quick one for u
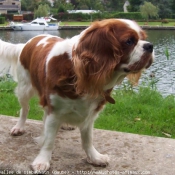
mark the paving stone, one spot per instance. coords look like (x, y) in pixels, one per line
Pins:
(129, 153)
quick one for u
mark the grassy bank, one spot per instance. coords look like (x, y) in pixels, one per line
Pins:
(143, 112)
(75, 23)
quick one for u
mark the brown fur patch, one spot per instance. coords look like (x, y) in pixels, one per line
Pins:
(33, 58)
(99, 53)
(61, 77)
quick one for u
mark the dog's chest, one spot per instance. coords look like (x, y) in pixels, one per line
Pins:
(75, 111)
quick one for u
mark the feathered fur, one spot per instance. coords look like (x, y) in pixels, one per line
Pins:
(74, 78)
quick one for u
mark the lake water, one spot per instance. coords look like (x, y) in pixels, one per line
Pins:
(163, 69)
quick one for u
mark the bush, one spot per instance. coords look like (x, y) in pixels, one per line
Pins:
(8, 16)
(165, 21)
(2, 20)
(129, 15)
(64, 16)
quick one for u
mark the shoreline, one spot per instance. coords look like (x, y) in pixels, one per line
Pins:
(143, 27)
(84, 27)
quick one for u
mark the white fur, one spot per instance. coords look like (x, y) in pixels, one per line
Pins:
(9, 54)
(79, 112)
(131, 24)
(59, 49)
(44, 41)
(137, 52)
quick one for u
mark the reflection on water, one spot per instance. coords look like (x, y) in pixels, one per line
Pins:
(24, 36)
(162, 69)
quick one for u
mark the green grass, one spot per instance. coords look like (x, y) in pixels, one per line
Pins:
(87, 23)
(9, 104)
(144, 112)
(75, 23)
(169, 24)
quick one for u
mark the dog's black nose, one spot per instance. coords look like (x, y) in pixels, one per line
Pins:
(148, 47)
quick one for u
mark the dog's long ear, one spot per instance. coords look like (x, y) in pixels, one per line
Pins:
(134, 78)
(96, 56)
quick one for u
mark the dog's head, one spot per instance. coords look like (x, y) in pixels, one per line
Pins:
(107, 52)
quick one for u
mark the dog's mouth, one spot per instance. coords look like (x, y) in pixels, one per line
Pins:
(143, 63)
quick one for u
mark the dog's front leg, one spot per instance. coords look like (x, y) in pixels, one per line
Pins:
(93, 156)
(42, 162)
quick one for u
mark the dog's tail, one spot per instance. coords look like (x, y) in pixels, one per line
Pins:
(9, 54)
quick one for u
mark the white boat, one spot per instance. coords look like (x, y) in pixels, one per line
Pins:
(37, 24)
(48, 19)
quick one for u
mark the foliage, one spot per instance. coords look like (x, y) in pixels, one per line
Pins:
(78, 16)
(62, 6)
(8, 16)
(129, 15)
(134, 5)
(148, 10)
(173, 6)
(90, 4)
(114, 5)
(2, 20)
(43, 10)
(75, 3)
(97, 16)
(44, 2)
(166, 7)
(29, 5)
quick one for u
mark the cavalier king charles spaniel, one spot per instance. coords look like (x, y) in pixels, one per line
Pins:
(74, 78)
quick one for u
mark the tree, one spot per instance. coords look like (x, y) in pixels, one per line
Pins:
(62, 6)
(164, 6)
(173, 6)
(42, 11)
(135, 5)
(75, 3)
(148, 10)
(25, 4)
(114, 5)
(90, 4)
(44, 2)
(31, 5)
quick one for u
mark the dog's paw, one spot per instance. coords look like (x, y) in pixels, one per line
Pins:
(66, 126)
(40, 166)
(99, 160)
(17, 131)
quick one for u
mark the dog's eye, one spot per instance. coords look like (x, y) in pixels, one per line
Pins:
(130, 41)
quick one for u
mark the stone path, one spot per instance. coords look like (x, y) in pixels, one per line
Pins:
(129, 153)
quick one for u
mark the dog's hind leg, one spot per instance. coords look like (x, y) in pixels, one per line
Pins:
(23, 98)
(24, 92)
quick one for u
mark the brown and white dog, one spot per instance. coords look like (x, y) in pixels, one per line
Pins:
(74, 78)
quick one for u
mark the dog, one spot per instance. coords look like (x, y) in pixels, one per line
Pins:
(74, 78)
